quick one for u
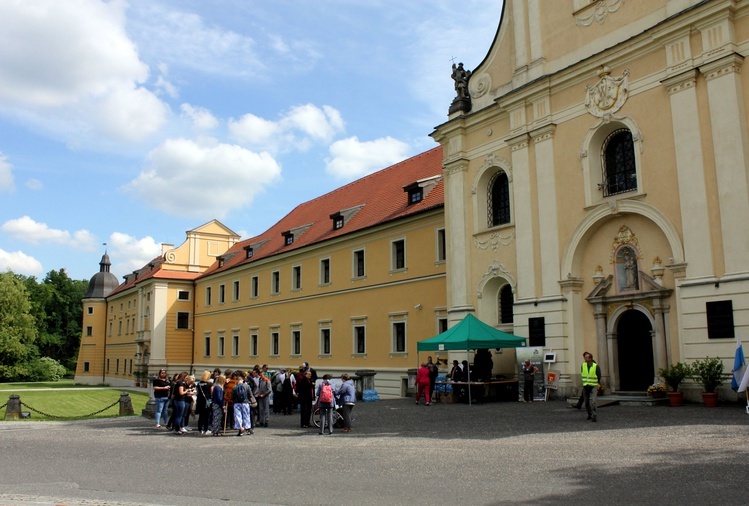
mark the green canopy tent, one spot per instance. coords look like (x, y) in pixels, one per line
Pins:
(470, 334)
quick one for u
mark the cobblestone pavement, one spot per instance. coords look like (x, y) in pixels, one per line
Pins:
(398, 453)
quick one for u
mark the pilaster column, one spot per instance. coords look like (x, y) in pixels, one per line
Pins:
(522, 213)
(547, 209)
(661, 355)
(605, 344)
(695, 215)
(158, 323)
(728, 122)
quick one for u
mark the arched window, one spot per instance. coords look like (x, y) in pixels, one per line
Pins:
(505, 303)
(618, 163)
(498, 200)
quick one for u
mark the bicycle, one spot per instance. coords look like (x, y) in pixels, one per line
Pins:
(337, 417)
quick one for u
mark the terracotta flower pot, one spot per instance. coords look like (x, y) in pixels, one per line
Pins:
(710, 399)
(675, 399)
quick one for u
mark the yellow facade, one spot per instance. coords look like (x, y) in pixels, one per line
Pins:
(382, 299)
(558, 84)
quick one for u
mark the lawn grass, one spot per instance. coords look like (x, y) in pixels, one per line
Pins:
(68, 404)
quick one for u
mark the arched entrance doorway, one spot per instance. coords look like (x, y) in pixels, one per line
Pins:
(635, 351)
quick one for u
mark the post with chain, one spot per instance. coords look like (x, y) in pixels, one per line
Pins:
(13, 409)
(126, 404)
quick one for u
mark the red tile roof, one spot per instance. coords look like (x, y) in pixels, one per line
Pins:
(379, 196)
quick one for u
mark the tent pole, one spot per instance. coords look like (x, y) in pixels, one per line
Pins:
(468, 375)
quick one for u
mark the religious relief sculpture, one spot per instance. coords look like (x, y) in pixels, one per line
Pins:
(608, 95)
(627, 270)
(462, 101)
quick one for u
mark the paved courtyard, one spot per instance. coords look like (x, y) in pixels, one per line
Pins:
(398, 453)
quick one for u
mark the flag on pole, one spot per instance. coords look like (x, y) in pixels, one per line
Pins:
(739, 368)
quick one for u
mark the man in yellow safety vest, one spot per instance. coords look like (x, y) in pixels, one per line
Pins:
(591, 376)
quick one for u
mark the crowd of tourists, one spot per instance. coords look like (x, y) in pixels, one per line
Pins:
(241, 399)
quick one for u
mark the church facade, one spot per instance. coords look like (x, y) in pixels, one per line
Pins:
(597, 177)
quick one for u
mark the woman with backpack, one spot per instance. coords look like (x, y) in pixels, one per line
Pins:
(326, 401)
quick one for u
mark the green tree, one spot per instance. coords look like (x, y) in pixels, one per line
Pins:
(56, 302)
(18, 332)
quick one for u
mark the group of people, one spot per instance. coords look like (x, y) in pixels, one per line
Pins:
(426, 377)
(242, 399)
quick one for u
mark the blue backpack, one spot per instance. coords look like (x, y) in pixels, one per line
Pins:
(239, 394)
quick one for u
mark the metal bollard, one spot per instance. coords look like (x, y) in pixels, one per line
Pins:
(13, 409)
(126, 404)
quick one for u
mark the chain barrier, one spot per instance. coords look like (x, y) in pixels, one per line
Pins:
(66, 417)
(3, 406)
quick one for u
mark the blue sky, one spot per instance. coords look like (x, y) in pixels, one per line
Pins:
(128, 123)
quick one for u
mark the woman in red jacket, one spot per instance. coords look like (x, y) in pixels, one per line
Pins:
(422, 384)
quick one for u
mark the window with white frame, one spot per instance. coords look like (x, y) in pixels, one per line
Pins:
(296, 277)
(399, 336)
(358, 264)
(325, 271)
(255, 290)
(274, 343)
(275, 283)
(325, 341)
(398, 254)
(183, 320)
(183, 295)
(441, 245)
(253, 344)
(498, 200)
(296, 342)
(360, 339)
(90, 310)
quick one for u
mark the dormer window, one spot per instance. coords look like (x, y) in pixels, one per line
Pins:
(220, 261)
(338, 221)
(415, 193)
(248, 252)
(288, 238)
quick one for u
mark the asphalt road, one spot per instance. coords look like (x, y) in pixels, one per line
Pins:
(398, 453)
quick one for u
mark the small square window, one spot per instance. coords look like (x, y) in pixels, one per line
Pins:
(89, 331)
(248, 252)
(183, 295)
(90, 310)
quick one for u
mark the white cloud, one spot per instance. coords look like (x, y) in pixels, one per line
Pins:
(204, 180)
(20, 263)
(34, 184)
(352, 159)
(129, 253)
(297, 129)
(6, 175)
(70, 69)
(200, 117)
(35, 232)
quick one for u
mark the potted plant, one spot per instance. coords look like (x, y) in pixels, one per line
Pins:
(709, 372)
(673, 375)
(657, 391)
